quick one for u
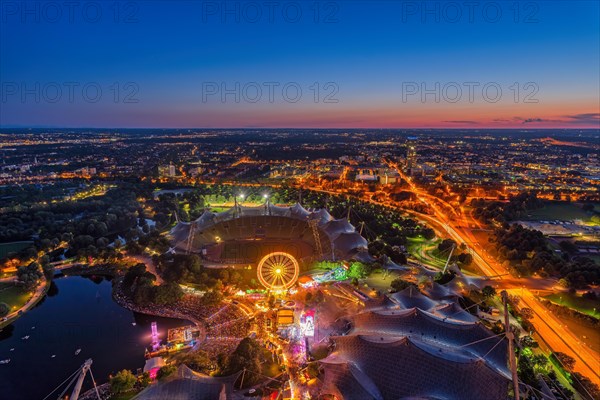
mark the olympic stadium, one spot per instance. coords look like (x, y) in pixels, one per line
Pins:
(409, 346)
(279, 241)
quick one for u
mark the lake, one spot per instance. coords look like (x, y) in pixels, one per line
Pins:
(78, 312)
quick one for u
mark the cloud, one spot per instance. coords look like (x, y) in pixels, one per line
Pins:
(579, 119)
(535, 120)
(463, 122)
(585, 118)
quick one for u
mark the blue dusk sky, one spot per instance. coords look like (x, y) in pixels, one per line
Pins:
(458, 64)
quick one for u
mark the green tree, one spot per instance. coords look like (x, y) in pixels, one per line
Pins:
(465, 259)
(528, 341)
(565, 360)
(245, 356)
(144, 379)
(400, 284)
(428, 233)
(212, 298)
(525, 371)
(357, 270)
(488, 291)
(446, 245)
(122, 382)
(196, 360)
(48, 270)
(168, 293)
(165, 371)
(526, 313)
(29, 275)
(4, 310)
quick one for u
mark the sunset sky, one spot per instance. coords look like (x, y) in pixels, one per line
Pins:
(386, 64)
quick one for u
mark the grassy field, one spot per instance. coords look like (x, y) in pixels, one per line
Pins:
(220, 207)
(217, 209)
(562, 212)
(426, 252)
(13, 295)
(584, 306)
(7, 248)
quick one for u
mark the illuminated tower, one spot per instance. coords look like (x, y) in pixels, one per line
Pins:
(411, 155)
(155, 339)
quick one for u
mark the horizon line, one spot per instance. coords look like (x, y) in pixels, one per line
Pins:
(304, 128)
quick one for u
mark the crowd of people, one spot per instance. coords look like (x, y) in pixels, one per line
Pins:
(222, 326)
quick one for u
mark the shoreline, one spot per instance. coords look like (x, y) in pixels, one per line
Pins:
(123, 300)
(31, 303)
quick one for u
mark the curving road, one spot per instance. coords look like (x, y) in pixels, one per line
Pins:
(559, 338)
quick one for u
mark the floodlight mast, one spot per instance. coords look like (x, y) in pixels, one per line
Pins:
(448, 260)
(511, 352)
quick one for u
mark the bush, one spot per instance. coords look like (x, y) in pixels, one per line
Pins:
(400, 284)
(488, 291)
(122, 382)
(442, 279)
(565, 360)
(165, 371)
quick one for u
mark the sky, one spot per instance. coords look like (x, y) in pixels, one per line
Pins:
(277, 63)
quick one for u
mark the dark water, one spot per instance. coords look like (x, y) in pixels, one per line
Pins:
(77, 313)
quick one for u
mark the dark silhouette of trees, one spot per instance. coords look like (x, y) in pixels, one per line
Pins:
(29, 275)
(526, 251)
(488, 291)
(399, 284)
(247, 355)
(501, 212)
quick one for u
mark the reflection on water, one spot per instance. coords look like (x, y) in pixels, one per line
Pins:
(77, 313)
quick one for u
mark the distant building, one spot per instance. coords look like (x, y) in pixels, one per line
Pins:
(411, 155)
(366, 178)
(166, 171)
(389, 177)
(86, 171)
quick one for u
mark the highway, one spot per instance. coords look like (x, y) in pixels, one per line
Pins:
(548, 327)
(559, 338)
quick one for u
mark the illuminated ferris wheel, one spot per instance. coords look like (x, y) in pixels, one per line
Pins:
(278, 271)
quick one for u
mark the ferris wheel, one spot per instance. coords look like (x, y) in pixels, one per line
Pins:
(278, 271)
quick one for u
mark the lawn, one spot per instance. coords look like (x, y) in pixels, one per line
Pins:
(218, 209)
(584, 306)
(13, 295)
(426, 251)
(12, 247)
(558, 211)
